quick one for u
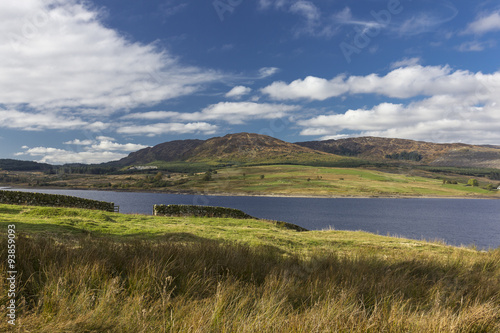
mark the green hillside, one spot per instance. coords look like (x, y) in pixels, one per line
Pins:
(91, 271)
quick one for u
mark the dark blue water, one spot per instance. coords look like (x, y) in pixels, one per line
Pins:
(456, 221)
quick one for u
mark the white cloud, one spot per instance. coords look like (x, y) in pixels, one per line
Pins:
(484, 23)
(57, 55)
(345, 17)
(437, 119)
(105, 138)
(152, 115)
(476, 46)
(79, 142)
(268, 71)
(405, 82)
(311, 88)
(171, 7)
(427, 20)
(107, 145)
(312, 20)
(230, 112)
(61, 156)
(308, 10)
(277, 4)
(37, 121)
(102, 149)
(239, 112)
(169, 128)
(436, 104)
(238, 92)
(406, 62)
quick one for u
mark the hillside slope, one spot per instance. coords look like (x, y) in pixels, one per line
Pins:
(449, 154)
(240, 148)
(178, 150)
(255, 148)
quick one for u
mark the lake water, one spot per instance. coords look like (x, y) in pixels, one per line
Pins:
(456, 221)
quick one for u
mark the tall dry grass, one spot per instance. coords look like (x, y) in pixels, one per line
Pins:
(96, 285)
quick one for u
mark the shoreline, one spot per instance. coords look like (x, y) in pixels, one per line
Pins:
(239, 194)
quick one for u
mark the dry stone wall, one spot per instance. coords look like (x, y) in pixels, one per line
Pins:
(53, 200)
(199, 211)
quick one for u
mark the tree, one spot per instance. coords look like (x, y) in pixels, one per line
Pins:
(262, 176)
(473, 182)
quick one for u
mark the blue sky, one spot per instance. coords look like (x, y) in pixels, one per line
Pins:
(91, 81)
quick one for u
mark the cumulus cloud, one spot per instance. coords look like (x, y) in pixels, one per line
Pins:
(79, 142)
(62, 156)
(404, 82)
(238, 92)
(437, 103)
(58, 56)
(311, 87)
(484, 23)
(99, 150)
(439, 118)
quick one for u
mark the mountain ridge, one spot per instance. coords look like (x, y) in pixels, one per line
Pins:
(250, 147)
(238, 148)
(434, 154)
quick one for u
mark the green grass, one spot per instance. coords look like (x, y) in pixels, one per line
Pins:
(326, 181)
(91, 271)
(295, 180)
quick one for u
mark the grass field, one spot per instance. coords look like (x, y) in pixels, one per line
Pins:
(324, 181)
(92, 271)
(285, 180)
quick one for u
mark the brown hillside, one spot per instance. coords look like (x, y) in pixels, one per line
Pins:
(250, 147)
(449, 154)
(178, 150)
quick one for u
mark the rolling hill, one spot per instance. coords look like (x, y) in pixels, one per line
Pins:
(434, 154)
(171, 151)
(255, 149)
(18, 165)
(240, 148)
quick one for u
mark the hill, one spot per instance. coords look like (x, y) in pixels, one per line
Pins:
(178, 150)
(18, 165)
(240, 148)
(436, 154)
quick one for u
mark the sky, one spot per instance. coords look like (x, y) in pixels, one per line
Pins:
(91, 81)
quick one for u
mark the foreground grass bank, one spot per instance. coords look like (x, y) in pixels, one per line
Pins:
(91, 271)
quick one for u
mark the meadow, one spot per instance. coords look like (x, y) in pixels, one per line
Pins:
(334, 182)
(92, 271)
(280, 180)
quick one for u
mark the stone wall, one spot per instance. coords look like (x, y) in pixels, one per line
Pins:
(199, 211)
(208, 211)
(53, 200)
